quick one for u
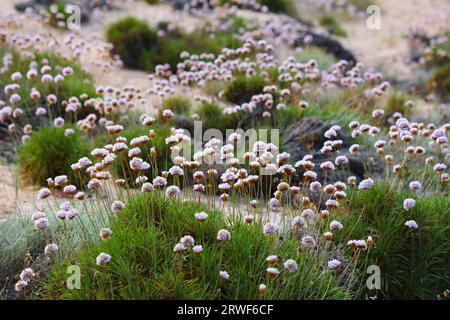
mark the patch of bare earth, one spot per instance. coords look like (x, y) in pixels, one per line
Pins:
(388, 49)
(15, 198)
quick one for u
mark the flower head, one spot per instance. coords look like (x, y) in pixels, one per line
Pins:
(334, 264)
(38, 215)
(290, 265)
(365, 184)
(298, 222)
(308, 242)
(172, 191)
(272, 272)
(415, 185)
(102, 259)
(223, 235)
(272, 259)
(105, 233)
(409, 203)
(224, 275)
(58, 122)
(117, 206)
(439, 167)
(178, 248)
(270, 228)
(50, 248)
(336, 225)
(262, 288)
(411, 224)
(274, 205)
(41, 223)
(147, 187)
(159, 182)
(44, 193)
(27, 274)
(20, 285)
(187, 241)
(197, 249)
(201, 216)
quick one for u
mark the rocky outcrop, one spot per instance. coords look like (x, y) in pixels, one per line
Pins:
(34, 4)
(306, 136)
(305, 31)
(7, 149)
(328, 44)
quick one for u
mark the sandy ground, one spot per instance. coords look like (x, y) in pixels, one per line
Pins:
(388, 48)
(12, 199)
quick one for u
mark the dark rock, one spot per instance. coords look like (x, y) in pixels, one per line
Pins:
(306, 136)
(178, 4)
(184, 123)
(182, 4)
(329, 45)
(325, 42)
(99, 4)
(35, 4)
(87, 6)
(7, 150)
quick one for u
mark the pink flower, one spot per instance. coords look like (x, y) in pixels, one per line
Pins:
(224, 275)
(201, 216)
(44, 193)
(409, 203)
(102, 259)
(411, 224)
(333, 264)
(366, 184)
(41, 223)
(223, 235)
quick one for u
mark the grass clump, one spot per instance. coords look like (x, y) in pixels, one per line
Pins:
(243, 88)
(323, 58)
(18, 239)
(440, 81)
(215, 87)
(362, 5)
(80, 82)
(413, 263)
(329, 22)
(139, 46)
(133, 41)
(22, 246)
(211, 113)
(146, 267)
(180, 105)
(333, 112)
(396, 102)
(284, 6)
(50, 153)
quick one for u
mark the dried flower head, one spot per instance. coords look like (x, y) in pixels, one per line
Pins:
(105, 233)
(290, 265)
(223, 235)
